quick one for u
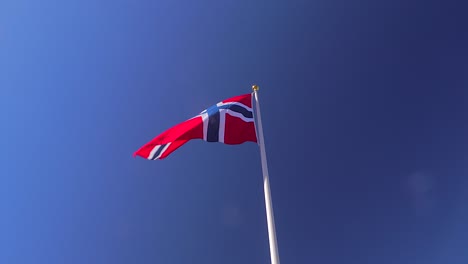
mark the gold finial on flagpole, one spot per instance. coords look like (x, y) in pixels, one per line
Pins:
(255, 87)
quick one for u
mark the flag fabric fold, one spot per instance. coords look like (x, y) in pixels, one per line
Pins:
(230, 122)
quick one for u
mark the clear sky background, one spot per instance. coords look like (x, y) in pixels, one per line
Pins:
(364, 107)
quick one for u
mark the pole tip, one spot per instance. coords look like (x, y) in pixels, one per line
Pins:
(255, 87)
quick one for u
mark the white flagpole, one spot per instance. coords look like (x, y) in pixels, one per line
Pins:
(266, 184)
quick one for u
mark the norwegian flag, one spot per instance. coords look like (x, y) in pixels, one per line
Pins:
(230, 122)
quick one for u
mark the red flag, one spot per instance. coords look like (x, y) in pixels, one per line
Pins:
(230, 121)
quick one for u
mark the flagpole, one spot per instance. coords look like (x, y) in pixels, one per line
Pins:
(266, 184)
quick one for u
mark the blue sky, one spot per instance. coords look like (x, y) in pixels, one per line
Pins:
(364, 110)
